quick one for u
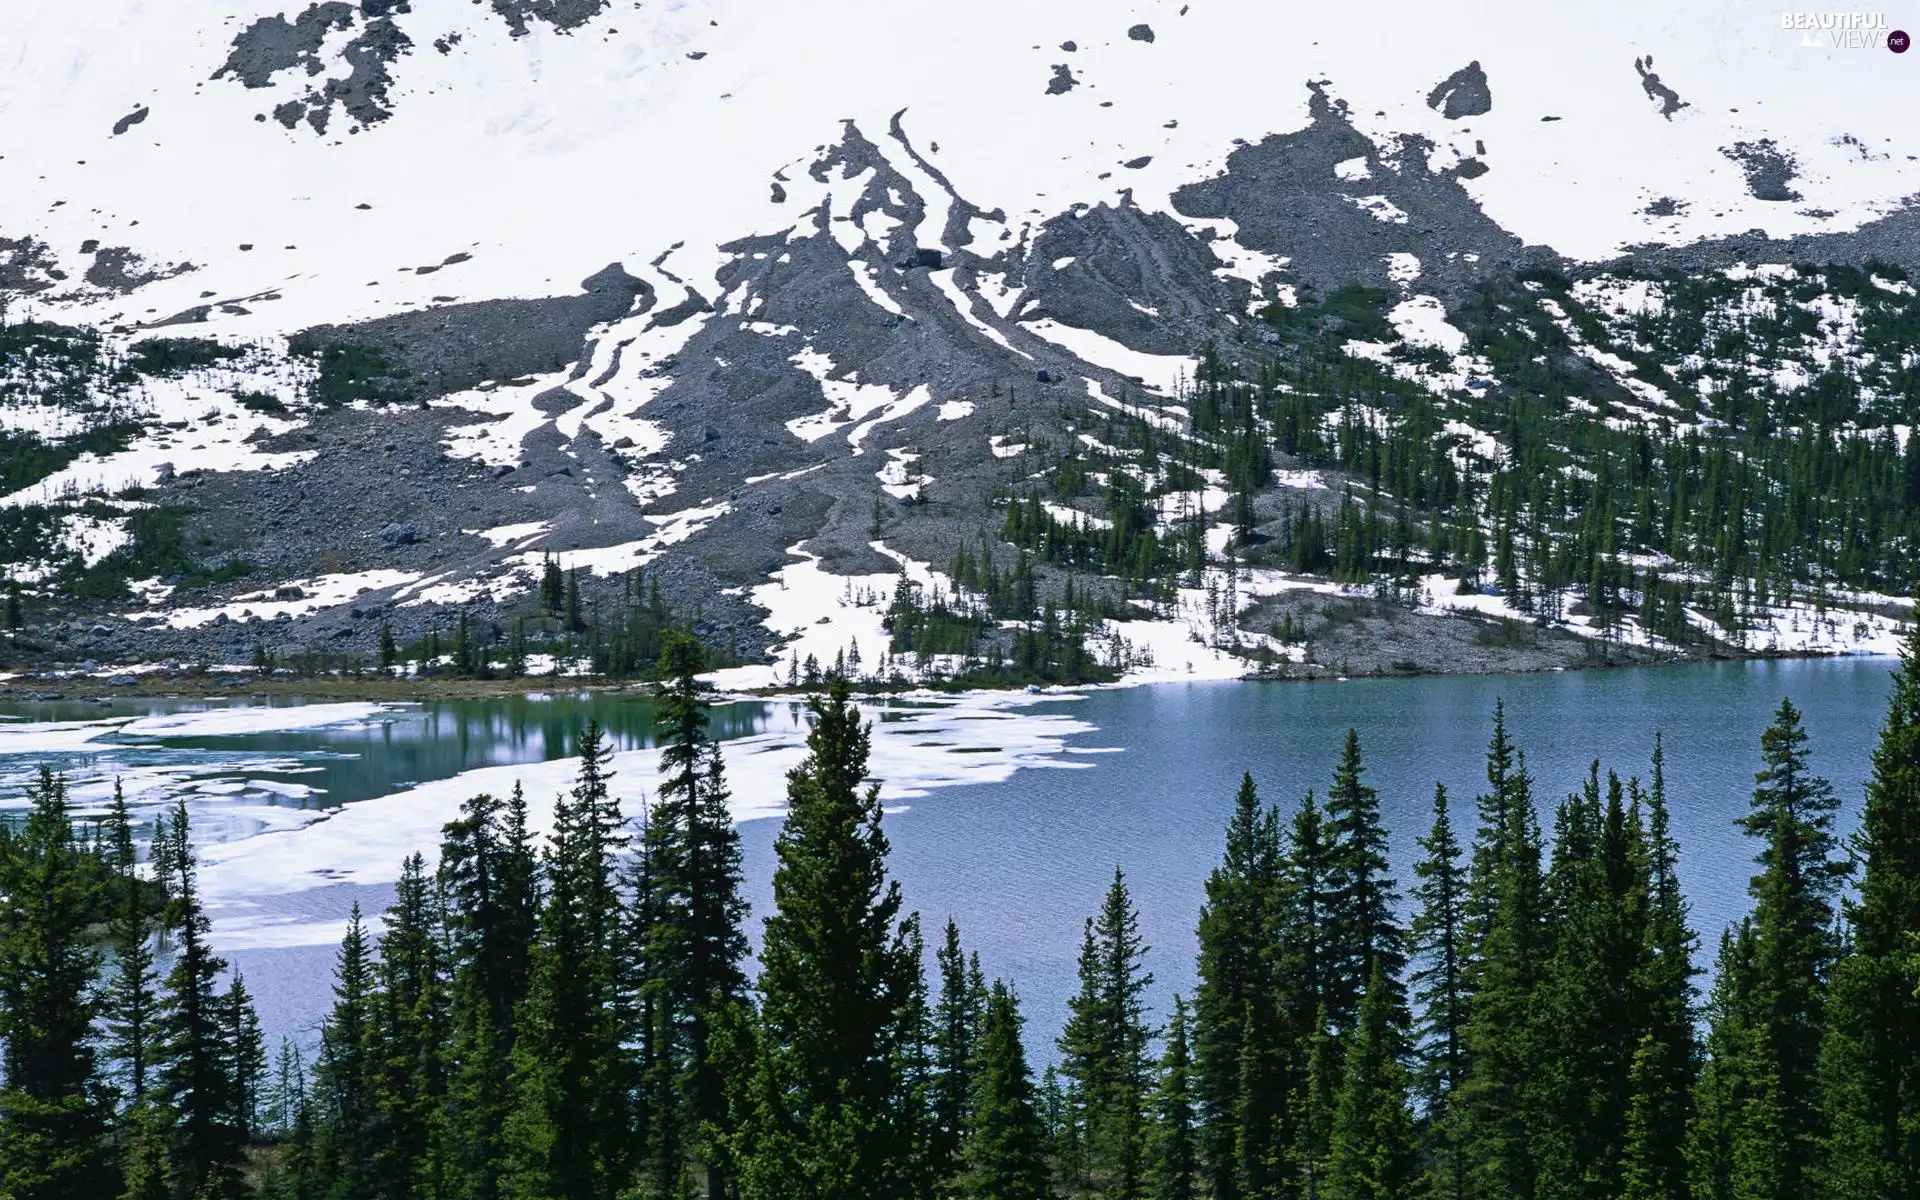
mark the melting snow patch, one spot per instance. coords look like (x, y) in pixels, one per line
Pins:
(955, 410)
(324, 591)
(1161, 372)
(1379, 208)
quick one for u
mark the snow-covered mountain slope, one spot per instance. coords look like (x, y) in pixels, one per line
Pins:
(747, 293)
(305, 164)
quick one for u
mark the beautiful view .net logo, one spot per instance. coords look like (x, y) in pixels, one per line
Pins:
(1845, 30)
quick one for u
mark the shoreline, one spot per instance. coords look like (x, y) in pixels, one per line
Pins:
(235, 683)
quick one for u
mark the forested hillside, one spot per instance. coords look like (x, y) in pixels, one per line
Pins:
(578, 1017)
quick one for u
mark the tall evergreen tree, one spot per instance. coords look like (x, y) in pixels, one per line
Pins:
(818, 1113)
(244, 1049)
(489, 876)
(1497, 1097)
(697, 943)
(566, 1136)
(1103, 1048)
(131, 996)
(1362, 928)
(1236, 964)
(1176, 1161)
(1373, 1151)
(196, 1084)
(343, 1077)
(956, 1042)
(1666, 1061)
(1793, 951)
(406, 1037)
(1439, 990)
(1870, 1062)
(1490, 828)
(1003, 1155)
(53, 1110)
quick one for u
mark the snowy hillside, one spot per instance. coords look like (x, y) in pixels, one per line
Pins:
(545, 139)
(336, 324)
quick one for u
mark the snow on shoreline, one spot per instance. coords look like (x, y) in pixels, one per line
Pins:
(917, 749)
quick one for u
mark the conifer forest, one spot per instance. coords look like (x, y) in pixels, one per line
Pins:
(579, 1016)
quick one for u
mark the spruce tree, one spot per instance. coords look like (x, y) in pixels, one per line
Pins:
(1311, 1138)
(1870, 1061)
(489, 875)
(1439, 990)
(131, 997)
(196, 1085)
(1362, 928)
(1175, 1171)
(1103, 1048)
(343, 1076)
(1490, 827)
(244, 1049)
(1373, 1152)
(1003, 1155)
(1793, 950)
(406, 1037)
(1498, 1097)
(566, 1135)
(698, 941)
(818, 1116)
(956, 1041)
(1236, 933)
(1666, 1061)
(53, 1110)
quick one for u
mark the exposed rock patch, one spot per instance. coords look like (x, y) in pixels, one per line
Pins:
(273, 45)
(120, 269)
(563, 15)
(1769, 169)
(455, 347)
(1670, 101)
(27, 265)
(1275, 191)
(1462, 94)
(1062, 81)
(130, 120)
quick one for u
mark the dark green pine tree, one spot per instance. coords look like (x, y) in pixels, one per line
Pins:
(566, 1136)
(244, 1049)
(1236, 936)
(1362, 929)
(344, 1076)
(1870, 1062)
(1666, 1061)
(1723, 1091)
(1311, 1138)
(1003, 1154)
(1103, 1048)
(819, 1112)
(488, 875)
(1792, 953)
(53, 1103)
(660, 1111)
(957, 1018)
(1490, 827)
(1439, 991)
(132, 996)
(1175, 1171)
(406, 1039)
(1497, 1099)
(195, 1085)
(698, 941)
(1373, 1149)
(1590, 1017)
